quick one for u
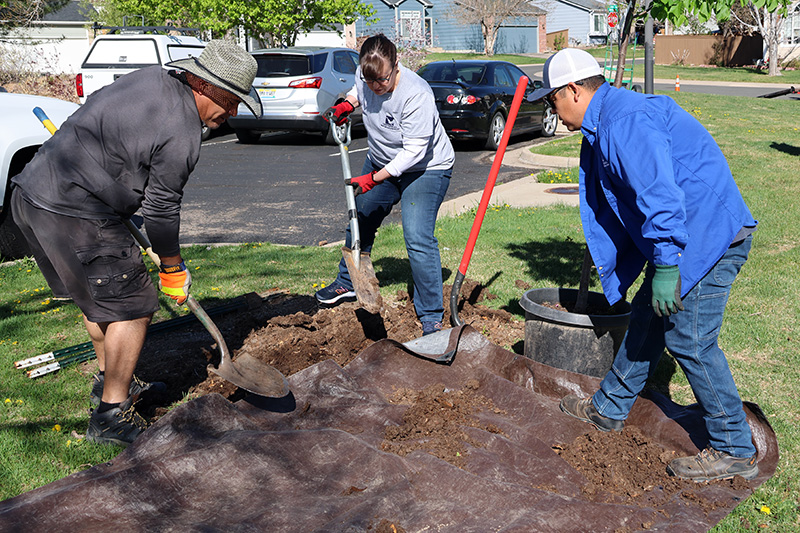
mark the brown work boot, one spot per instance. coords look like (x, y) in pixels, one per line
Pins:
(583, 409)
(711, 464)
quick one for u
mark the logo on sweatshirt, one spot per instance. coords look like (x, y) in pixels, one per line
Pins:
(389, 122)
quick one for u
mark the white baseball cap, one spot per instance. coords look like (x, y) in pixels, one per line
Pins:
(563, 67)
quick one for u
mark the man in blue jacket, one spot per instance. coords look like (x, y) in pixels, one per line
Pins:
(656, 192)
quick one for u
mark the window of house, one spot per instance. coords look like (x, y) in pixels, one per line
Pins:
(411, 25)
(599, 24)
(791, 27)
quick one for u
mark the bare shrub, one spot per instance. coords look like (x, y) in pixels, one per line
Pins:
(19, 74)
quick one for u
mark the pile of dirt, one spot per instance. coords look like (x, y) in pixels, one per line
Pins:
(291, 332)
(435, 419)
(625, 467)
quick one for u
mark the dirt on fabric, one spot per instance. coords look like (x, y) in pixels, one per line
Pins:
(292, 332)
(624, 467)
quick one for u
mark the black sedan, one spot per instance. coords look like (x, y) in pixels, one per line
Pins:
(474, 98)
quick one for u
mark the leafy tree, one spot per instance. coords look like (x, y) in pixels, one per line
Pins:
(22, 13)
(275, 22)
(678, 11)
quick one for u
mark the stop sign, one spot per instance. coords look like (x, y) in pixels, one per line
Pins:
(613, 19)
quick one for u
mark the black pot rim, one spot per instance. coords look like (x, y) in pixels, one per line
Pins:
(533, 309)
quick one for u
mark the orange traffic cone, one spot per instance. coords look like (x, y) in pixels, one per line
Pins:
(678, 83)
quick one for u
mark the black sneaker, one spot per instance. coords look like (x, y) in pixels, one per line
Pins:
(583, 409)
(135, 391)
(120, 425)
(711, 464)
(335, 293)
(430, 327)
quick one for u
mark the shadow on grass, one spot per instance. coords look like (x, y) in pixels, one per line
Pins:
(786, 148)
(555, 262)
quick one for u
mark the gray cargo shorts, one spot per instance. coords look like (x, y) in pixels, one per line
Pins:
(97, 263)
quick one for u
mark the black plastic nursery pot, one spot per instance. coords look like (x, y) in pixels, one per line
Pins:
(582, 343)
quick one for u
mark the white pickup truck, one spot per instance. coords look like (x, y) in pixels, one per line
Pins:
(21, 135)
(127, 48)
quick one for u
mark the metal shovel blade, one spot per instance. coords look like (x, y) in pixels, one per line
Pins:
(253, 375)
(440, 347)
(365, 283)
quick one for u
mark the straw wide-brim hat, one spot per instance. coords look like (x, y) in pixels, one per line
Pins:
(228, 66)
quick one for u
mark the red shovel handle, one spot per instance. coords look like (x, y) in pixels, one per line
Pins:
(484, 203)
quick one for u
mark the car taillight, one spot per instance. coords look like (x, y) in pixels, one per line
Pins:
(79, 85)
(461, 99)
(307, 83)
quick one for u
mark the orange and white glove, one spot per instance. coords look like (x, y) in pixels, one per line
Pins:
(174, 281)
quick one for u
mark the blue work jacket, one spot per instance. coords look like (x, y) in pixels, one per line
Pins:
(654, 186)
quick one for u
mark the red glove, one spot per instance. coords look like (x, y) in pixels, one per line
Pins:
(339, 112)
(174, 281)
(362, 184)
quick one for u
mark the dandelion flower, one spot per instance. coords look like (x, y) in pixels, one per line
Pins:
(766, 510)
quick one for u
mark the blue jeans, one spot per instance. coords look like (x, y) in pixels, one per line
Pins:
(421, 194)
(691, 337)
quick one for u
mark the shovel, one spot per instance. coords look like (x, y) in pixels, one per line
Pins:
(359, 264)
(247, 372)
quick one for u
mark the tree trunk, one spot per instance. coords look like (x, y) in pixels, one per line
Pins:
(623, 44)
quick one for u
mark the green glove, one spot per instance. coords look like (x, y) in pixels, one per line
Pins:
(667, 290)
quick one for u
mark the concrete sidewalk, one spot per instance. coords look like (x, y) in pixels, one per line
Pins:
(527, 191)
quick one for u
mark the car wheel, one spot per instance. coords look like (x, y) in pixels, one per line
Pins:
(205, 133)
(637, 88)
(247, 136)
(496, 127)
(549, 122)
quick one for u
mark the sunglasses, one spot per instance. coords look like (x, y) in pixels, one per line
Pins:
(382, 81)
(550, 98)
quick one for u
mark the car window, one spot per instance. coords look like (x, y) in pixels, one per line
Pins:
(466, 74)
(515, 73)
(123, 52)
(343, 62)
(501, 77)
(275, 65)
(319, 62)
(182, 52)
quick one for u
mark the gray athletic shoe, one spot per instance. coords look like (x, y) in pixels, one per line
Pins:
(711, 464)
(120, 425)
(583, 409)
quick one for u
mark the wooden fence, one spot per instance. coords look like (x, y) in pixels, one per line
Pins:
(707, 50)
(558, 40)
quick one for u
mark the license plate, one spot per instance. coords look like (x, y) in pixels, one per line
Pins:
(266, 93)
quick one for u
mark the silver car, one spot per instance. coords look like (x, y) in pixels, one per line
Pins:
(296, 86)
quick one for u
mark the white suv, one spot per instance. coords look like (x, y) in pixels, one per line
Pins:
(21, 135)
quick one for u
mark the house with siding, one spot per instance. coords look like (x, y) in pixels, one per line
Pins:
(428, 22)
(585, 20)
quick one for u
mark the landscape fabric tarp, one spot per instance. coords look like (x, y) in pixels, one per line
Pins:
(313, 461)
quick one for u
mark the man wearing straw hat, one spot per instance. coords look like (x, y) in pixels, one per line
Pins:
(131, 146)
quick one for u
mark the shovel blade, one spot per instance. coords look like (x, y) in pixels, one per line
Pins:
(252, 374)
(365, 283)
(440, 347)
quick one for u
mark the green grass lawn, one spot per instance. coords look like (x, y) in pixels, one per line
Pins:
(540, 246)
